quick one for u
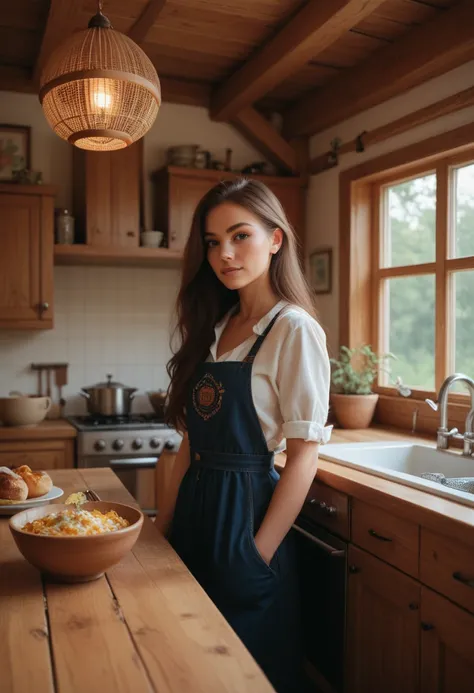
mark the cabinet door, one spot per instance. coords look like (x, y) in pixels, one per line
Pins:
(38, 454)
(447, 646)
(184, 195)
(125, 173)
(383, 627)
(22, 262)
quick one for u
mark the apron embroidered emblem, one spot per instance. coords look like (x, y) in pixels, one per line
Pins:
(207, 396)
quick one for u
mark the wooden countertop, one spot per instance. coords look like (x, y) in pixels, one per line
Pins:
(434, 512)
(50, 428)
(147, 626)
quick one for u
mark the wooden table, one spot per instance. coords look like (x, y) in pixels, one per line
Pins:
(146, 627)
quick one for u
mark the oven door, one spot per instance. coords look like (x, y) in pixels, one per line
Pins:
(137, 474)
(322, 560)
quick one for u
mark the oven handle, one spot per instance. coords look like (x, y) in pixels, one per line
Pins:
(134, 463)
(327, 548)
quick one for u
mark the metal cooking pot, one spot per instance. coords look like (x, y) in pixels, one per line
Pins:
(109, 398)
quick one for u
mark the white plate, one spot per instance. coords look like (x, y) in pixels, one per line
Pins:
(32, 503)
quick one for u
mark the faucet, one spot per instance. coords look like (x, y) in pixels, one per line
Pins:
(443, 434)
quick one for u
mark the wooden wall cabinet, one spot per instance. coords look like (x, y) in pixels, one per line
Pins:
(108, 196)
(26, 257)
(177, 191)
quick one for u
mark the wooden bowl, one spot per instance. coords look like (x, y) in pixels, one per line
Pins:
(76, 559)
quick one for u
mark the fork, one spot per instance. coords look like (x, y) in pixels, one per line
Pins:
(91, 495)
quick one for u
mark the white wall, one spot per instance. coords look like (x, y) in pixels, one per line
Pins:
(113, 320)
(323, 192)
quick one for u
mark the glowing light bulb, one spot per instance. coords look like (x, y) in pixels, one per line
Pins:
(102, 100)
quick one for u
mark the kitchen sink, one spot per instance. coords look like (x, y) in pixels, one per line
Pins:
(449, 474)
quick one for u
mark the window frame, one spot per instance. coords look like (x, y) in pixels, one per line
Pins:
(359, 271)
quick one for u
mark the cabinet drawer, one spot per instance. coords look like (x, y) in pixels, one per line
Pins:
(448, 566)
(46, 459)
(387, 536)
(329, 508)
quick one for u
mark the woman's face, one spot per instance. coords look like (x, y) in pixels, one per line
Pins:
(239, 248)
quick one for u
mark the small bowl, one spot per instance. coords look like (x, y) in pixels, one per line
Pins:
(76, 559)
(157, 400)
(23, 410)
(151, 239)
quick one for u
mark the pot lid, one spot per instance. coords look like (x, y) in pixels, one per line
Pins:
(110, 384)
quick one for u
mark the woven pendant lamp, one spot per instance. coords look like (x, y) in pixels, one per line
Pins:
(99, 90)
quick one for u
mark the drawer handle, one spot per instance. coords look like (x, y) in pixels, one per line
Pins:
(426, 626)
(380, 537)
(465, 581)
(324, 507)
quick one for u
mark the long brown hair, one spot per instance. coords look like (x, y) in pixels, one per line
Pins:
(203, 300)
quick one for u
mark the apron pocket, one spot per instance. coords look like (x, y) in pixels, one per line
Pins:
(250, 531)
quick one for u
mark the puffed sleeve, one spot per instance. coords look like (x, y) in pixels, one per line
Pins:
(303, 381)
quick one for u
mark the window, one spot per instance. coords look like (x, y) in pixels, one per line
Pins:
(423, 272)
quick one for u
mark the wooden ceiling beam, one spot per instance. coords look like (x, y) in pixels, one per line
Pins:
(173, 90)
(427, 51)
(146, 20)
(261, 133)
(62, 20)
(311, 31)
(183, 91)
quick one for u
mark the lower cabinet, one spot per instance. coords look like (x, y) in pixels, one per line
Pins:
(447, 646)
(383, 627)
(403, 637)
(38, 454)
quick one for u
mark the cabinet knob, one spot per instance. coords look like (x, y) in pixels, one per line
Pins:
(131, 234)
(426, 626)
(43, 307)
(413, 606)
(354, 569)
(173, 236)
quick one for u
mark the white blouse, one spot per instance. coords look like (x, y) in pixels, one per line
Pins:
(290, 375)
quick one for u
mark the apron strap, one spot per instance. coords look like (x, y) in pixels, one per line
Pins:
(259, 341)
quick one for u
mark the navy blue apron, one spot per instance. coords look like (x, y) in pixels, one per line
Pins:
(221, 503)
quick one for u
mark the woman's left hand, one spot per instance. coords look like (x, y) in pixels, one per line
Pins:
(265, 555)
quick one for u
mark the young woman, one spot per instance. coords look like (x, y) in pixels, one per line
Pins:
(250, 378)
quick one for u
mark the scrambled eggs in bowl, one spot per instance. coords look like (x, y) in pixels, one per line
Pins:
(76, 543)
(76, 522)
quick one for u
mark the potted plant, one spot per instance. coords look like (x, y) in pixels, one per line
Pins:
(352, 376)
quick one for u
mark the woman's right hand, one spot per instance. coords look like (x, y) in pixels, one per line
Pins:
(180, 467)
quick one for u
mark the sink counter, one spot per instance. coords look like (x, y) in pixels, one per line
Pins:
(446, 516)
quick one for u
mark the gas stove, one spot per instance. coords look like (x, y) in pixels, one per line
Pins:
(130, 445)
(136, 434)
(117, 423)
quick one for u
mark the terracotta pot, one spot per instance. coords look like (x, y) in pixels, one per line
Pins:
(354, 411)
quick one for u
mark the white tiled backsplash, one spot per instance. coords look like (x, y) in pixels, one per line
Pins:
(107, 320)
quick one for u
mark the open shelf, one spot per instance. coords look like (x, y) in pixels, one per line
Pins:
(125, 257)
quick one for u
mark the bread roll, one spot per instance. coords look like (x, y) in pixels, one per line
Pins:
(38, 483)
(12, 486)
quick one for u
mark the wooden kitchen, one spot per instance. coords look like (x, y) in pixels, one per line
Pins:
(358, 116)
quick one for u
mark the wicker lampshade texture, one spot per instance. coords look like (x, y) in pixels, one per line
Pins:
(99, 90)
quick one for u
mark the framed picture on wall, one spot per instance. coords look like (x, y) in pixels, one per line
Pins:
(14, 150)
(320, 271)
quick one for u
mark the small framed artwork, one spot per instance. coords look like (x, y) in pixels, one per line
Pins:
(320, 271)
(14, 150)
